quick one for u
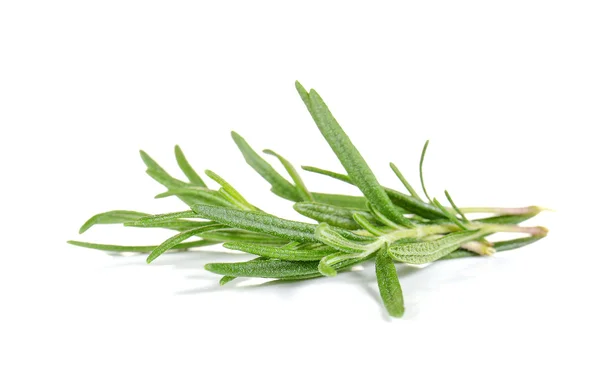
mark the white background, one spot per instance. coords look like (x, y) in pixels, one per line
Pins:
(507, 92)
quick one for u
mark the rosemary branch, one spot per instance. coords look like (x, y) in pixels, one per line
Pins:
(382, 223)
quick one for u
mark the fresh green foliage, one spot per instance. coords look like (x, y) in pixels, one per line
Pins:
(421, 169)
(341, 217)
(178, 238)
(302, 190)
(142, 249)
(405, 182)
(448, 215)
(258, 222)
(455, 207)
(199, 195)
(353, 162)
(187, 169)
(279, 185)
(299, 252)
(228, 191)
(382, 223)
(389, 285)
(111, 217)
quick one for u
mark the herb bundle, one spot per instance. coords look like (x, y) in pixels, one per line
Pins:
(383, 224)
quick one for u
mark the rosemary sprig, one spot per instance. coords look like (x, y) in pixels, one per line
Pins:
(383, 223)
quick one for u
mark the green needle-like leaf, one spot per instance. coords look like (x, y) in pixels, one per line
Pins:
(198, 195)
(421, 170)
(346, 201)
(241, 201)
(381, 218)
(357, 168)
(279, 184)
(141, 249)
(333, 215)
(264, 223)
(405, 182)
(364, 223)
(302, 190)
(187, 169)
(324, 172)
(455, 207)
(284, 253)
(159, 174)
(277, 269)
(270, 268)
(152, 220)
(389, 285)
(449, 215)
(240, 235)
(111, 217)
(179, 225)
(178, 238)
(258, 222)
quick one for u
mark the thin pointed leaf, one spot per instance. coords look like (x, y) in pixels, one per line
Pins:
(283, 253)
(302, 190)
(179, 225)
(381, 218)
(364, 223)
(111, 217)
(405, 182)
(449, 215)
(187, 169)
(161, 218)
(261, 222)
(346, 201)
(277, 269)
(455, 207)
(178, 238)
(279, 184)
(159, 174)
(258, 222)
(240, 235)
(324, 172)
(270, 268)
(333, 215)
(140, 249)
(389, 285)
(421, 170)
(414, 205)
(233, 193)
(198, 196)
(356, 167)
